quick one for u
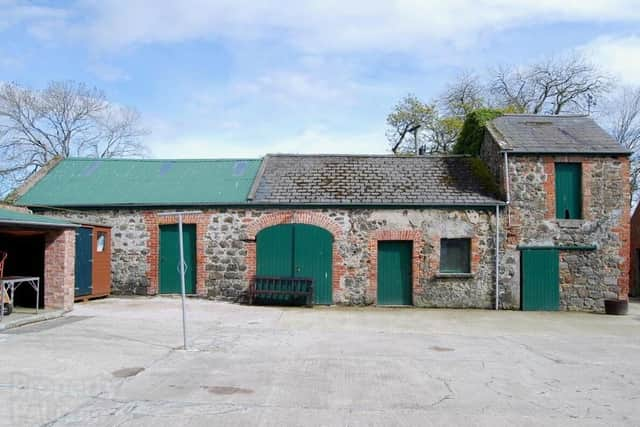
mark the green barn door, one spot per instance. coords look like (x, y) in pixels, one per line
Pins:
(540, 279)
(84, 261)
(297, 250)
(312, 254)
(568, 190)
(394, 273)
(170, 258)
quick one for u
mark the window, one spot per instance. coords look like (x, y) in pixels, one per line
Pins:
(455, 256)
(100, 241)
(568, 190)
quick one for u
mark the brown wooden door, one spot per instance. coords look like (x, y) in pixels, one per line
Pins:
(101, 261)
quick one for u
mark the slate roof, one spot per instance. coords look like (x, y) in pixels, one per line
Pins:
(368, 180)
(523, 133)
(78, 182)
(15, 218)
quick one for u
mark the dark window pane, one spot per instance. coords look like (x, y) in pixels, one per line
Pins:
(455, 256)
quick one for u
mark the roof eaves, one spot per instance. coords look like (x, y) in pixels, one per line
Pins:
(38, 223)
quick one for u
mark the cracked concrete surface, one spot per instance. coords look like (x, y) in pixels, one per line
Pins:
(115, 363)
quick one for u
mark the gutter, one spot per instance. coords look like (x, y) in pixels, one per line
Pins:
(37, 224)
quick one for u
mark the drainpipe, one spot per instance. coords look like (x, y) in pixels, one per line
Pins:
(497, 257)
(507, 185)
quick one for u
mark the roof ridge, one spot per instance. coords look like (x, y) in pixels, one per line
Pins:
(121, 159)
(367, 156)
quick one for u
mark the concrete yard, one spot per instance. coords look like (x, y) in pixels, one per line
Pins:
(116, 362)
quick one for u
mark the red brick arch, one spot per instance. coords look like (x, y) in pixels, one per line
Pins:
(296, 217)
(293, 217)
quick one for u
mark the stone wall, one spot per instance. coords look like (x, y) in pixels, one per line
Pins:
(634, 255)
(227, 258)
(586, 277)
(129, 246)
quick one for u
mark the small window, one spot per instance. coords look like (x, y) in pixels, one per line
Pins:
(101, 241)
(568, 190)
(455, 256)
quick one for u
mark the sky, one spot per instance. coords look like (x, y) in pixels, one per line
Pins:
(241, 78)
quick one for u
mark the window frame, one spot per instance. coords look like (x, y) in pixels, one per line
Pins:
(445, 267)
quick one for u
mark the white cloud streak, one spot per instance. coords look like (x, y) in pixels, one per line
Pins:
(335, 26)
(620, 56)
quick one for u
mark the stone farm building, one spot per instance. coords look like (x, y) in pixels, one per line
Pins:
(373, 229)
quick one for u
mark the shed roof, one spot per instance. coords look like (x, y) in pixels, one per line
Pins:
(134, 182)
(15, 218)
(369, 180)
(526, 133)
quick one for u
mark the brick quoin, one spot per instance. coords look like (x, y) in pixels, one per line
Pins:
(59, 269)
(153, 223)
(414, 236)
(624, 233)
(296, 217)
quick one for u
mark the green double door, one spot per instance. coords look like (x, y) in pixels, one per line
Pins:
(170, 258)
(297, 250)
(540, 279)
(394, 273)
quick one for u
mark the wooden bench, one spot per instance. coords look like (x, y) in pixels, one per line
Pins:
(281, 290)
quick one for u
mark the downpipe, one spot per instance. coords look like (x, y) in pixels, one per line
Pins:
(497, 257)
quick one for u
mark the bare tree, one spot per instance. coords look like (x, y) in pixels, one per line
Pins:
(64, 119)
(621, 118)
(463, 95)
(553, 86)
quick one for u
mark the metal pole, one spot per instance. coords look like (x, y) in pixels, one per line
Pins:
(182, 290)
(497, 256)
(182, 265)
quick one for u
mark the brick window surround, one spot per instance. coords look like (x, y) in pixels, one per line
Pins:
(414, 236)
(296, 217)
(549, 163)
(434, 257)
(153, 223)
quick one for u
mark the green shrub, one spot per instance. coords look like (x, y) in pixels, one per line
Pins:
(470, 139)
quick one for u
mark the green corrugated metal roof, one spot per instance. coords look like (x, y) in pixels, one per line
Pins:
(118, 182)
(20, 218)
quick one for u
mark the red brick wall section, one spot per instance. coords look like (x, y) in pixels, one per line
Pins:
(59, 269)
(381, 235)
(153, 223)
(295, 217)
(624, 233)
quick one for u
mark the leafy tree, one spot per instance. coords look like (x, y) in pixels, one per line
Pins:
(64, 119)
(408, 114)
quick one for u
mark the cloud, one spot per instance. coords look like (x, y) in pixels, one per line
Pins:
(335, 26)
(108, 73)
(308, 141)
(620, 56)
(41, 21)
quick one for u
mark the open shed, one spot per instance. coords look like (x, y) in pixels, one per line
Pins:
(42, 247)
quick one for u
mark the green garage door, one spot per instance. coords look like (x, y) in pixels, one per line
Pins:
(170, 258)
(394, 273)
(297, 250)
(540, 279)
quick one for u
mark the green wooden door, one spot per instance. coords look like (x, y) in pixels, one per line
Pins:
(297, 250)
(170, 258)
(84, 261)
(540, 279)
(568, 190)
(394, 273)
(312, 254)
